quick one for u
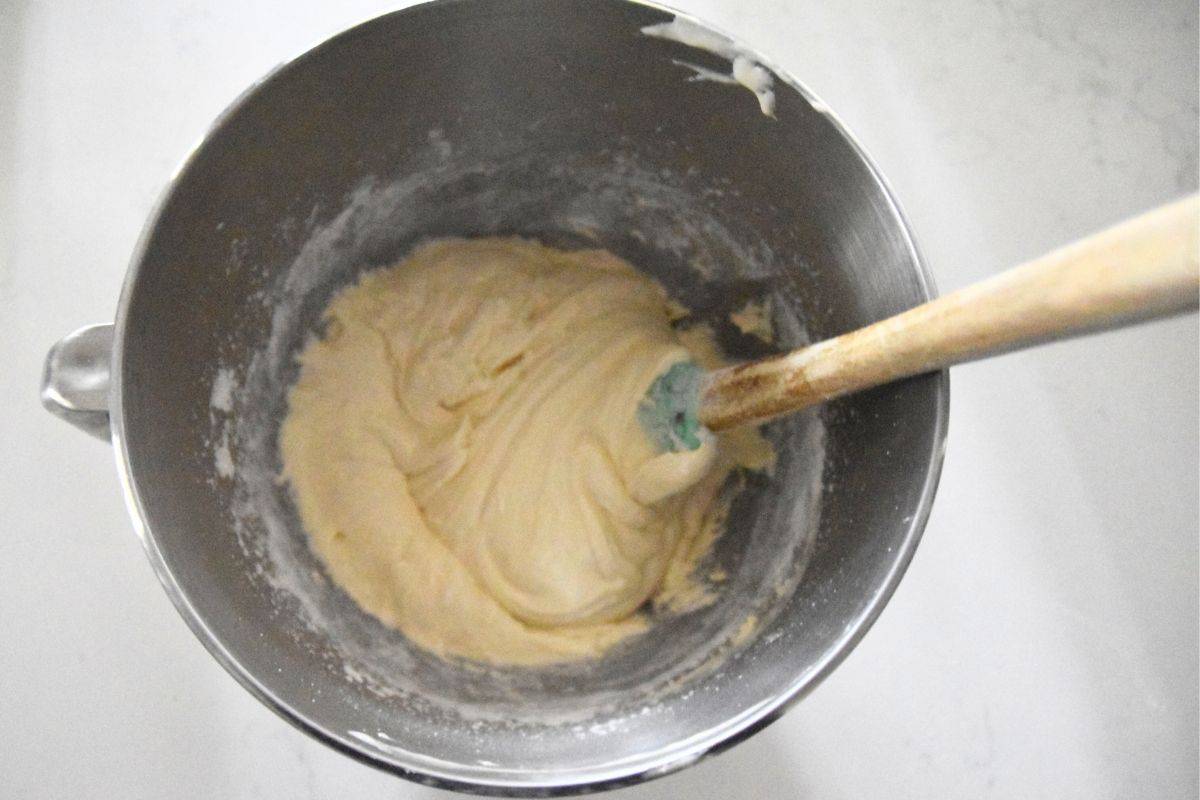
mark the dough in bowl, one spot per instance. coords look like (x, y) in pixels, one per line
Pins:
(463, 447)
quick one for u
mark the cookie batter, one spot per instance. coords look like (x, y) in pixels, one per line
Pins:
(463, 447)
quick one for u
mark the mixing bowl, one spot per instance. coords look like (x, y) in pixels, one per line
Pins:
(563, 121)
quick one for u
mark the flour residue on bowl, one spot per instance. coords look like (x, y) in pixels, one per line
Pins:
(744, 69)
(224, 385)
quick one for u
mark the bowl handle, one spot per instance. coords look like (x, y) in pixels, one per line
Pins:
(75, 381)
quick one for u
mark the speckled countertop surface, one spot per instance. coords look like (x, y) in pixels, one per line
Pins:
(1044, 642)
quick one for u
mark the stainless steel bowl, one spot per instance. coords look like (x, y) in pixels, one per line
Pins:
(554, 119)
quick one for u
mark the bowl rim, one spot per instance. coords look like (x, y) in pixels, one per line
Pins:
(507, 781)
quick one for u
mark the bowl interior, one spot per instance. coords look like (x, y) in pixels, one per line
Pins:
(556, 120)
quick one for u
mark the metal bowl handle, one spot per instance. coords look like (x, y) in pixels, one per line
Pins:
(75, 380)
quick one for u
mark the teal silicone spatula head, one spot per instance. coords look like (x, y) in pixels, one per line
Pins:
(670, 410)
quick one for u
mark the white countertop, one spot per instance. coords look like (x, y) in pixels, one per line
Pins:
(1044, 642)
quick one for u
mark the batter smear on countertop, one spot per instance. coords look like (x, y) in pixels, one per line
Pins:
(463, 447)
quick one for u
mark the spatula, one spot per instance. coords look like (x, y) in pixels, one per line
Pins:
(1141, 269)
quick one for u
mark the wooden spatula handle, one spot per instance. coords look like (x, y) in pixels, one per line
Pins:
(1138, 270)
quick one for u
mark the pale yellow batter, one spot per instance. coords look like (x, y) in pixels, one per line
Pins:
(464, 450)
